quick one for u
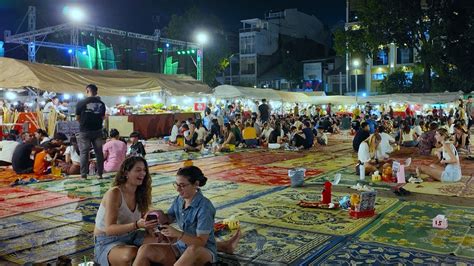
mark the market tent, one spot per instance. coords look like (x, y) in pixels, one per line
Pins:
(315, 93)
(16, 73)
(229, 91)
(333, 99)
(414, 98)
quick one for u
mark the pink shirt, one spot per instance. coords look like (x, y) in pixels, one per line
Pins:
(114, 154)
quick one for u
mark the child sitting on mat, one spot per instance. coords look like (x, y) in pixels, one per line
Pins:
(44, 158)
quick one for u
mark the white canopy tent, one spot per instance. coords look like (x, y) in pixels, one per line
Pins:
(17, 74)
(229, 92)
(414, 98)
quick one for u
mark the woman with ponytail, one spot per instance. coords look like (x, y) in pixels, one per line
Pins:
(193, 215)
(450, 168)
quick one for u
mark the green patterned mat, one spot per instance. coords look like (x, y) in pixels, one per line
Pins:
(267, 245)
(219, 192)
(280, 209)
(410, 226)
(355, 252)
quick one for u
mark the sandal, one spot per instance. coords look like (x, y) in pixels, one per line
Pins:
(404, 192)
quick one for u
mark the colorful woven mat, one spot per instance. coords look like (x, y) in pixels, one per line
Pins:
(410, 226)
(280, 209)
(8, 177)
(355, 252)
(268, 245)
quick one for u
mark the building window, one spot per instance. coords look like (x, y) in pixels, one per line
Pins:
(247, 66)
(381, 58)
(247, 44)
(379, 76)
(404, 56)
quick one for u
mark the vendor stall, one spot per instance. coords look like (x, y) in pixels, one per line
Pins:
(116, 84)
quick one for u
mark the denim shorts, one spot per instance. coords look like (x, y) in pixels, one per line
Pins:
(181, 247)
(452, 173)
(103, 244)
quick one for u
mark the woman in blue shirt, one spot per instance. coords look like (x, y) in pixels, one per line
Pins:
(194, 215)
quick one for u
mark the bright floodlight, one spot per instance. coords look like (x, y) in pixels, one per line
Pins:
(202, 37)
(80, 96)
(75, 14)
(66, 96)
(356, 63)
(364, 94)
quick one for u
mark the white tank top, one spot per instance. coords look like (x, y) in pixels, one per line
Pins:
(446, 154)
(125, 215)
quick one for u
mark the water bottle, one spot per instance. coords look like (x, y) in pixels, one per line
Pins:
(361, 171)
(91, 169)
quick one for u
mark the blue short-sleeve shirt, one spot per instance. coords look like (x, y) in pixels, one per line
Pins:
(197, 219)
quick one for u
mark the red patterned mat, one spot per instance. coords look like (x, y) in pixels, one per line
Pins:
(260, 175)
(26, 200)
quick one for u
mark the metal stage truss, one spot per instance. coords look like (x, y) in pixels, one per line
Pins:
(36, 38)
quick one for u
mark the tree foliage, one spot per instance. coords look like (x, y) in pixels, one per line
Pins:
(429, 27)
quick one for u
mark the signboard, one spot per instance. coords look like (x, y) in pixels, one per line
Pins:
(199, 107)
(312, 71)
(69, 128)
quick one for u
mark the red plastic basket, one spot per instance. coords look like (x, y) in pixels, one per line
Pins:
(364, 214)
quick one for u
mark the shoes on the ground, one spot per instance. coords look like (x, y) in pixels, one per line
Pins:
(402, 192)
(337, 179)
(415, 180)
(408, 162)
(367, 188)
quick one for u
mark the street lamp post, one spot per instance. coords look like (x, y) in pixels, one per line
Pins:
(230, 66)
(202, 39)
(356, 64)
(76, 15)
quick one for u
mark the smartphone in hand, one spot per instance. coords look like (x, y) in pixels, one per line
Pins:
(151, 217)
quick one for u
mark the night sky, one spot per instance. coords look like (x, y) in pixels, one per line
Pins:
(137, 15)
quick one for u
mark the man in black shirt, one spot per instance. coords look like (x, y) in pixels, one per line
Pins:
(356, 124)
(264, 110)
(90, 113)
(215, 131)
(21, 158)
(361, 135)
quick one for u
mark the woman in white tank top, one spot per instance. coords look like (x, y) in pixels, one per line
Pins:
(118, 224)
(450, 168)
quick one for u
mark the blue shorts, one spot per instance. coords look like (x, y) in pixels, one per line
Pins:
(103, 244)
(181, 247)
(452, 173)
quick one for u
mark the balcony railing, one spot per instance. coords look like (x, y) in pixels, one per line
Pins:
(250, 29)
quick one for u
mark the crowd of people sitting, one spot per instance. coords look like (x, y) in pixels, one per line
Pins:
(443, 136)
(38, 153)
(378, 133)
(233, 129)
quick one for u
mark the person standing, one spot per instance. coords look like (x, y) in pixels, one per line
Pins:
(469, 112)
(296, 110)
(264, 111)
(90, 113)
